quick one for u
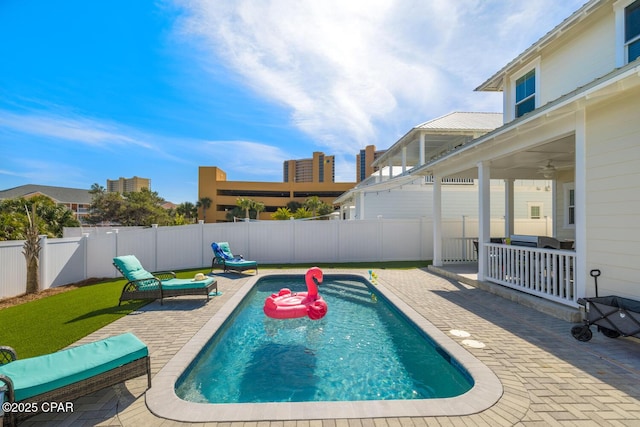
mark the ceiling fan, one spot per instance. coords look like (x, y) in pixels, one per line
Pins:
(548, 171)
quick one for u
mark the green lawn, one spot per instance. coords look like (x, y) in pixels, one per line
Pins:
(54, 322)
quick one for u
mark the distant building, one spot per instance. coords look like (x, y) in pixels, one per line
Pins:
(364, 162)
(320, 168)
(128, 185)
(212, 183)
(76, 199)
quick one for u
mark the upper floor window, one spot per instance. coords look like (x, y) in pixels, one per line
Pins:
(526, 93)
(632, 30)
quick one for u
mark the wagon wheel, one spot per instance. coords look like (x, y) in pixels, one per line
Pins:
(581, 333)
(609, 333)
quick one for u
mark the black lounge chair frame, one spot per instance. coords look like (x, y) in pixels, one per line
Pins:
(73, 391)
(132, 291)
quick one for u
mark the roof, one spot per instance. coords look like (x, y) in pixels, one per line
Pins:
(495, 82)
(466, 121)
(452, 129)
(58, 194)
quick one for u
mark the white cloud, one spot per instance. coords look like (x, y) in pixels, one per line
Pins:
(364, 72)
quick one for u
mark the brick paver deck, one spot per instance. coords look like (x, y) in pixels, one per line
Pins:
(549, 378)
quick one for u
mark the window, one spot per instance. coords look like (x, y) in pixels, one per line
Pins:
(632, 30)
(534, 212)
(526, 93)
(570, 205)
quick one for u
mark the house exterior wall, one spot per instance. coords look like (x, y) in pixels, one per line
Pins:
(579, 59)
(565, 180)
(414, 201)
(613, 193)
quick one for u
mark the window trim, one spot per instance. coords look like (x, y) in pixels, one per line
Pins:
(567, 188)
(531, 66)
(539, 205)
(622, 57)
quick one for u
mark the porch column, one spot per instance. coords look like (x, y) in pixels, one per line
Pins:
(361, 210)
(422, 149)
(390, 168)
(437, 221)
(580, 271)
(508, 208)
(404, 159)
(484, 216)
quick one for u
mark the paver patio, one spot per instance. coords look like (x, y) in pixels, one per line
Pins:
(549, 378)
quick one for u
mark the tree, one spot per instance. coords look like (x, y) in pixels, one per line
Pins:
(258, 207)
(204, 203)
(31, 251)
(313, 203)
(246, 205)
(302, 213)
(135, 208)
(281, 214)
(52, 218)
(188, 210)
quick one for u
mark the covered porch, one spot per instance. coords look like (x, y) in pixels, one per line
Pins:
(545, 146)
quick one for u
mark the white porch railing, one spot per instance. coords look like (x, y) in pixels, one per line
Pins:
(548, 273)
(459, 250)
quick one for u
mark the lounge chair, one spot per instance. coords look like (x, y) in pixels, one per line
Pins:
(54, 379)
(144, 285)
(223, 257)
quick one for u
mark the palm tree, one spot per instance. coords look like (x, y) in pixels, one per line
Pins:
(31, 251)
(281, 214)
(246, 204)
(258, 207)
(313, 203)
(204, 203)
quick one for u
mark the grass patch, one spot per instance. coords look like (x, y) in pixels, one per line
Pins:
(54, 322)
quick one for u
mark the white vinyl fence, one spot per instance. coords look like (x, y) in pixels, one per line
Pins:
(73, 259)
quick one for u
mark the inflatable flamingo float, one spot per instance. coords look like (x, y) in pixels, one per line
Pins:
(288, 305)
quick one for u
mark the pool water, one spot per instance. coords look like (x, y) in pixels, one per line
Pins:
(363, 349)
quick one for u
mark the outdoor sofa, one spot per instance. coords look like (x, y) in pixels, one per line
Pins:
(144, 285)
(225, 259)
(34, 384)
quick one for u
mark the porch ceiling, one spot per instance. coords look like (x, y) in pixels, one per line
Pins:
(526, 163)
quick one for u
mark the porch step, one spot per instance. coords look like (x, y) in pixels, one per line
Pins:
(542, 305)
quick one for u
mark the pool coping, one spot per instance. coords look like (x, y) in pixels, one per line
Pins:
(162, 400)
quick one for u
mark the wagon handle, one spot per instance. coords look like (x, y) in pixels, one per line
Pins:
(595, 273)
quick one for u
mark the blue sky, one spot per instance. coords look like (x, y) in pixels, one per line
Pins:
(92, 90)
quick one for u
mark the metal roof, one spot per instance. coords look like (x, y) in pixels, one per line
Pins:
(58, 194)
(442, 133)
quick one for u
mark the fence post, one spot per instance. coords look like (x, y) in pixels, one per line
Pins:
(201, 224)
(44, 280)
(154, 228)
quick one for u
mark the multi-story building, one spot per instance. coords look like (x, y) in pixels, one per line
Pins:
(320, 168)
(364, 162)
(128, 185)
(212, 183)
(76, 199)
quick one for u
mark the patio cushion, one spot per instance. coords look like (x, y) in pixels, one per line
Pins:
(42, 374)
(186, 283)
(131, 267)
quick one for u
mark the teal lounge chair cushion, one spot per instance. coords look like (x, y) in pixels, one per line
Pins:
(42, 374)
(222, 251)
(241, 263)
(186, 283)
(133, 270)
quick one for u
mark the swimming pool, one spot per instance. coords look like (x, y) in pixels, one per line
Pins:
(163, 401)
(362, 350)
